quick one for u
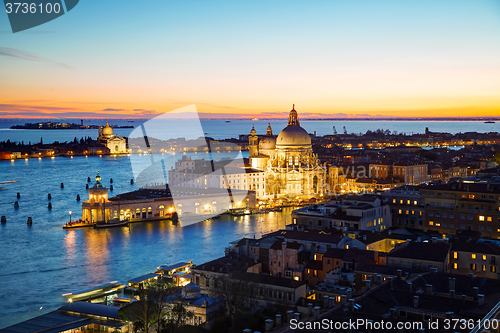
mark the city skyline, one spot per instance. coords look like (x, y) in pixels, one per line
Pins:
(332, 59)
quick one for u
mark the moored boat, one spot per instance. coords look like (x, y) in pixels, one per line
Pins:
(112, 223)
(78, 224)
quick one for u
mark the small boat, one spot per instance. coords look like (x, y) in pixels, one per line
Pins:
(112, 224)
(489, 122)
(78, 224)
(228, 121)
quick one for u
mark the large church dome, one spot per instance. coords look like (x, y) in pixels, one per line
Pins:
(293, 134)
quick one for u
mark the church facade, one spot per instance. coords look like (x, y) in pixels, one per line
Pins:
(291, 169)
(116, 144)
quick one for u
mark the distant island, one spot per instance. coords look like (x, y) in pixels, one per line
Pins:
(51, 125)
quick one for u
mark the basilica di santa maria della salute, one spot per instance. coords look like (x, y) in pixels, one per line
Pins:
(291, 169)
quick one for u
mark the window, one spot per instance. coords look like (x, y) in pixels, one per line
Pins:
(431, 222)
(484, 268)
(493, 269)
(431, 214)
(489, 219)
(472, 267)
(455, 255)
(455, 265)
(473, 256)
(481, 218)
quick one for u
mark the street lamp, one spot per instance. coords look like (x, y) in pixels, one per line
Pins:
(69, 216)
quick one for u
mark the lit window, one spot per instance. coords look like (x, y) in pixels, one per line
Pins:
(455, 255)
(489, 219)
(484, 256)
(415, 202)
(481, 218)
(431, 222)
(473, 256)
(455, 265)
(484, 268)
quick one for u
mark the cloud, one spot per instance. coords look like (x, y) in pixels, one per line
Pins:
(114, 110)
(18, 54)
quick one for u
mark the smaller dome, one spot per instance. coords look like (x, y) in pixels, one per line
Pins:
(267, 142)
(107, 131)
(191, 291)
(253, 131)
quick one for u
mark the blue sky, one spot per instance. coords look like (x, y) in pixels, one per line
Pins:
(356, 57)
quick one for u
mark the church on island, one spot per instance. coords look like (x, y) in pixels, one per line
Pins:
(291, 169)
(116, 144)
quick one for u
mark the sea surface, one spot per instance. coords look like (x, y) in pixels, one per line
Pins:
(219, 129)
(40, 263)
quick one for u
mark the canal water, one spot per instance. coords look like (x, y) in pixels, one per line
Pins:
(39, 263)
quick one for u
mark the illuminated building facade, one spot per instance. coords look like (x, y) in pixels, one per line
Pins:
(116, 144)
(291, 169)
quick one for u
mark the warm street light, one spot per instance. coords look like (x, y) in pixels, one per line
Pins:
(70, 216)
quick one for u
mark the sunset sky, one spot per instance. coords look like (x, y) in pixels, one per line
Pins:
(131, 58)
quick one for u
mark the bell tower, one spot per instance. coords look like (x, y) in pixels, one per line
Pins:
(253, 143)
(293, 118)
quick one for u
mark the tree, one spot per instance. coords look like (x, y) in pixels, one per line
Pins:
(41, 141)
(237, 295)
(160, 307)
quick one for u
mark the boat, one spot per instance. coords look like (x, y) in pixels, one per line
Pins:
(112, 223)
(489, 122)
(78, 224)
(228, 121)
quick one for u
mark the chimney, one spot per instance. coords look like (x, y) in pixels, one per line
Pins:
(349, 293)
(480, 300)
(269, 324)
(415, 301)
(331, 302)
(399, 273)
(452, 293)
(475, 291)
(411, 286)
(451, 284)
(316, 311)
(326, 299)
(278, 320)
(428, 288)
(434, 240)
(289, 315)
(389, 232)
(296, 315)
(343, 299)
(351, 304)
(364, 237)
(309, 309)
(390, 281)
